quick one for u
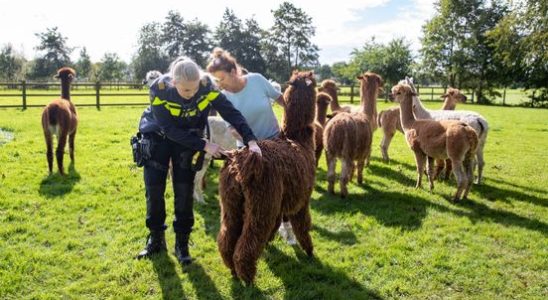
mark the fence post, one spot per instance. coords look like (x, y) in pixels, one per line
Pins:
(504, 97)
(432, 95)
(352, 94)
(24, 90)
(97, 97)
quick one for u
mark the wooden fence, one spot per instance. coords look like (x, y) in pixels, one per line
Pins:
(24, 90)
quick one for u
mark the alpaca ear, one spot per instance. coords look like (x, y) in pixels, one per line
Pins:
(360, 77)
(443, 96)
(56, 76)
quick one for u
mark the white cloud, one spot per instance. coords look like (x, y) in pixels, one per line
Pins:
(112, 26)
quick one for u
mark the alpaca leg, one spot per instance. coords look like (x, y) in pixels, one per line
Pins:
(458, 170)
(276, 228)
(347, 168)
(440, 165)
(331, 165)
(198, 181)
(385, 143)
(481, 162)
(420, 159)
(72, 136)
(49, 151)
(251, 243)
(361, 164)
(302, 223)
(469, 169)
(430, 170)
(231, 223)
(448, 169)
(60, 151)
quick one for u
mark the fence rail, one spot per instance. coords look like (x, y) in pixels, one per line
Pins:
(99, 91)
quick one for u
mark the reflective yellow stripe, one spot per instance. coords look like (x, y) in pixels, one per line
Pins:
(174, 108)
(205, 102)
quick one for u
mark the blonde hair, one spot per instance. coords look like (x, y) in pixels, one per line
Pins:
(185, 69)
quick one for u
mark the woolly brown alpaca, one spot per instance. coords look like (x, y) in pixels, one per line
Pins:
(389, 121)
(431, 140)
(329, 87)
(348, 136)
(59, 118)
(322, 102)
(256, 192)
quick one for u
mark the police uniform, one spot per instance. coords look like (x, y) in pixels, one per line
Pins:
(176, 127)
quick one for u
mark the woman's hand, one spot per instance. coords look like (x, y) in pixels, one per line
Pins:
(214, 150)
(253, 147)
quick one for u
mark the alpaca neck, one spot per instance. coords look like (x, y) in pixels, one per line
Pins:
(369, 102)
(65, 89)
(334, 104)
(420, 111)
(449, 104)
(406, 112)
(321, 114)
(294, 126)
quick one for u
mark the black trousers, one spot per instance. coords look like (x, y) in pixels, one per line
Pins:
(155, 174)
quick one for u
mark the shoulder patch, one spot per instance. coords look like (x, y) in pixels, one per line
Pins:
(161, 85)
(204, 81)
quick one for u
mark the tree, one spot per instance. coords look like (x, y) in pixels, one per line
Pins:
(229, 33)
(111, 68)
(11, 64)
(150, 55)
(56, 54)
(392, 61)
(173, 34)
(324, 72)
(83, 65)
(291, 34)
(197, 41)
(342, 73)
(455, 48)
(519, 42)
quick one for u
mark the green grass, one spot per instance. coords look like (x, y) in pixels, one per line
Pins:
(75, 237)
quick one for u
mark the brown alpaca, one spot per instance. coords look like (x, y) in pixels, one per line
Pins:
(256, 192)
(348, 136)
(329, 87)
(452, 97)
(59, 118)
(431, 140)
(389, 121)
(322, 102)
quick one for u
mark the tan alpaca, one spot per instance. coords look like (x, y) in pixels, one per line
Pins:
(389, 121)
(348, 136)
(330, 87)
(431, 140)
(322, 103)
(59, 118)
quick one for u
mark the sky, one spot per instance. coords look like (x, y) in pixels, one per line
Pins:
(112, 26)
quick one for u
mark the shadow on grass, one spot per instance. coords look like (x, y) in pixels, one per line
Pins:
(346, 237)
(309, 278)
(167, 276)
(56, 185)
(492, 193)
(204, 286)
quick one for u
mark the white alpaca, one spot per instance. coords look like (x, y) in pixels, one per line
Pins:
(475, 120)
(151, 76)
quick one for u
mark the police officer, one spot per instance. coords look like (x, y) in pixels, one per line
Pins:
(174, 124)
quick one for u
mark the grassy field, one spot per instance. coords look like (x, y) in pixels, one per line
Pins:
(75, 237)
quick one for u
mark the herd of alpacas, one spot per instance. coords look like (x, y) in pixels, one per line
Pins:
(256, 192)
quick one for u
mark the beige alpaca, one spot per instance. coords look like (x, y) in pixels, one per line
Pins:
(389, 120)
(330, 87)
(348, 136)
(431, 140)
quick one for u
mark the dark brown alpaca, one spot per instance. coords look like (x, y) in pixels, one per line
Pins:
(348, 136)
(322, 103)
(257, 191)
(59, 118)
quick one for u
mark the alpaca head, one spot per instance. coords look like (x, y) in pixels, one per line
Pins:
(370, 81)
(66, 74)
(401, 92)
(328, 86)
(151, 76)
(454, 94)
(300, 101)
(323, 99)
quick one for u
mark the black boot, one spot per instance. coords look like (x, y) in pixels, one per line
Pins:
(181, 248)
(156, 243)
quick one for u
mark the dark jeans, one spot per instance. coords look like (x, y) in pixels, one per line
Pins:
(155, 174)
